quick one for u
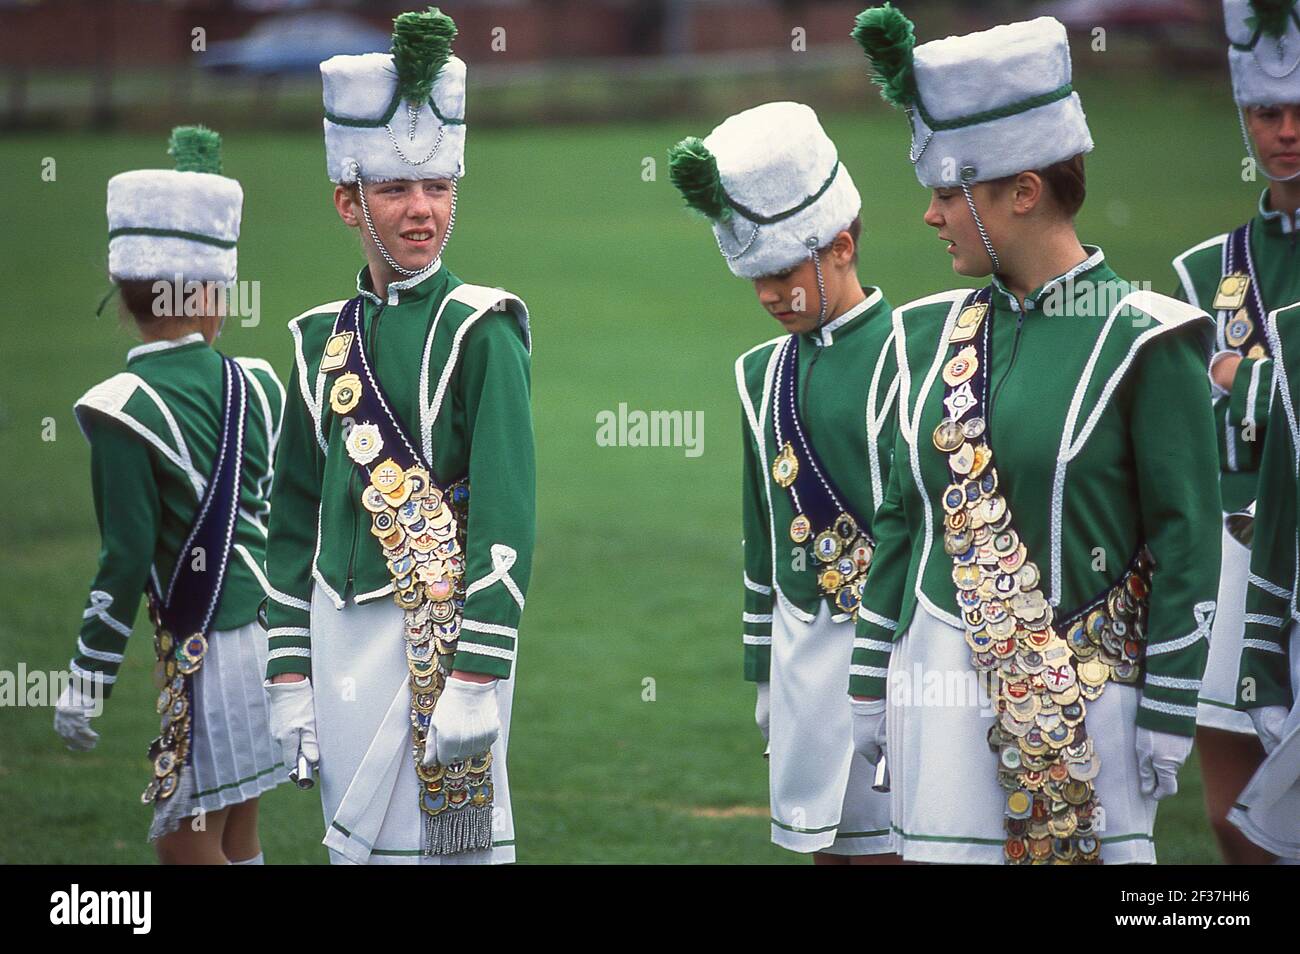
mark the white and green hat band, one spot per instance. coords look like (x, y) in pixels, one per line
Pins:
(982, 106)
(771, 182)
(1263, 50)
(182, 221)
(398, 115)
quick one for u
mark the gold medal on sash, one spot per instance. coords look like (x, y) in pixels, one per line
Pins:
(968, 323)
(387, 477)
(1238, 329)
(785, 467)
(345, 393)
(1256, 352)
(800, 528)
(336, 351)
(1232, 292)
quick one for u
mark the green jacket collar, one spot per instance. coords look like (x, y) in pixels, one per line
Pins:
(1091, 269)
(847, 322)
(188, 342)
(426, 284)
(1276, 223)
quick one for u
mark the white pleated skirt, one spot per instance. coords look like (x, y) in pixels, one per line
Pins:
(947, 806)
(821, 796)
(368, 786)
(232, 756)
(1214, 708)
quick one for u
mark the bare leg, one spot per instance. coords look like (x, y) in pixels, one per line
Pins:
(186, 846)
(822, 858)
(1228, 760)
(889, 859)
(239, 841)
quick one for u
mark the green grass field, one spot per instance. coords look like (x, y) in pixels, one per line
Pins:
(637, 573)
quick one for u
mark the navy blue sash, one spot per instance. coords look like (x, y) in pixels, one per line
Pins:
(1251, 325)
(182, 616)
(373, 406)
(194, 592)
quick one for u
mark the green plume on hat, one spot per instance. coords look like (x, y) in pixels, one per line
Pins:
(421, 47)
(195, 149)
(694, 171)
(1271, 16)
(888, 37)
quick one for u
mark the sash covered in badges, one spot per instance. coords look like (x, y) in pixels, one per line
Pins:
(841, 545)
(1237, 299)
(421, 529)
(1042, 670)
(182, 617)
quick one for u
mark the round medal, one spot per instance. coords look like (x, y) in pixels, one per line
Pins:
(1238, 329)
(961, 367)
(364, 443)
(800, 528)
(785, 467)
(345, 394)
(948, 436)
(387, 477)
(827, 546)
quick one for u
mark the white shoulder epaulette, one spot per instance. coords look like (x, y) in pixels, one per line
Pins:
(1168, 311)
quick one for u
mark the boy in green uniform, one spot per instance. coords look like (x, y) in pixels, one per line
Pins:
(402, 534)
(1045, 577)
(817, 418)
(1242, 276)
(182, 439)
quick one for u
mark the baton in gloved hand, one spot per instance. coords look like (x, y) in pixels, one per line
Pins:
(302, 774)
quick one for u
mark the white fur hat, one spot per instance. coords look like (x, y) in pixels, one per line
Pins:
(771, 181)
(398, 115)
(1263, 50)
(982, 106)
(165, 222)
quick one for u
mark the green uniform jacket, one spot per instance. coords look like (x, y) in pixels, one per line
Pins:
(453, 360)
(847, 387)
(1103, 441)
(154, 431)
(1273, 250)
(1272, 585)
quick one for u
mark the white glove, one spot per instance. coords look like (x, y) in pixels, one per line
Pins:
(763, 709)
(1269, 721)
(293, 720)
(465, 722)
(869, 728)
(1160, 755)
(72, 715)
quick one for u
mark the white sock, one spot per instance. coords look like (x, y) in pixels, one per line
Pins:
(257, 859)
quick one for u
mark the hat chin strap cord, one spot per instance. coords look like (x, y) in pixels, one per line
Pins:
(979, 224)
(374, 235)
(821, 285)
(1250, 151)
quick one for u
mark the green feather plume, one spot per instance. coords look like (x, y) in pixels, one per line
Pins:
(1271, 16)
(694, 171)
(195, 149)
(887, 37)
(421, 46)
